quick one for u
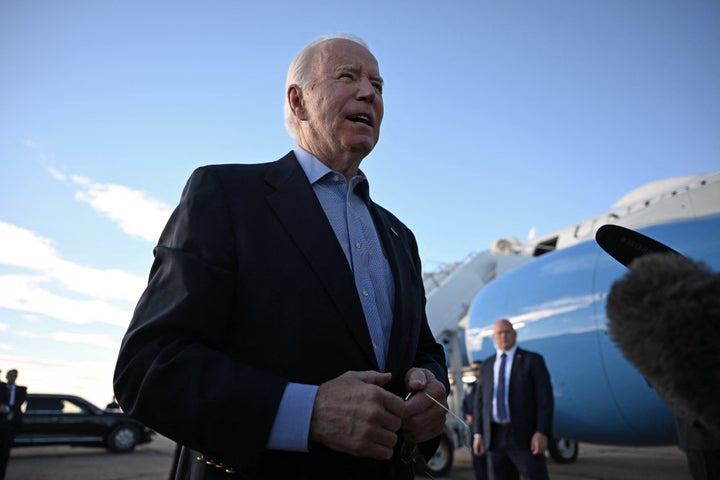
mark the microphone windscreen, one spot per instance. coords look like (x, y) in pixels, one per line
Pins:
(664, 316)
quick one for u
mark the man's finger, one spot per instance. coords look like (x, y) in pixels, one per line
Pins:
(372, 377)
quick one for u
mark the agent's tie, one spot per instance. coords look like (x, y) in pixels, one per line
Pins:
(500, 392)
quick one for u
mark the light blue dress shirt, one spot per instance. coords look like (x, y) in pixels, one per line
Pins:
(347, 207)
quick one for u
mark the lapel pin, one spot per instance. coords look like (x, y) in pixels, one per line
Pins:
(393, 230)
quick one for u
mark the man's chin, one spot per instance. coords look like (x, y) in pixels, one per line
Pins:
(361, 146)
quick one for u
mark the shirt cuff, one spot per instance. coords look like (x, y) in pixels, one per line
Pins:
(291, 428)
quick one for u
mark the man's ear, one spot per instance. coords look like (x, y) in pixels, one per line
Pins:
(295, 100)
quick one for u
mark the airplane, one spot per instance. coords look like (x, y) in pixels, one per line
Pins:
(553, 289)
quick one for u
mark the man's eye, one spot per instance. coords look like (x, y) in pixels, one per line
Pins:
(378, 88)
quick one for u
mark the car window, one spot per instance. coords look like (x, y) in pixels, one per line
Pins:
(72, 407)
(53, 406)
(43, 405)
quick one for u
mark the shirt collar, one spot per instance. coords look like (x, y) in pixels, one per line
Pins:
(315, 170)
(510, 353)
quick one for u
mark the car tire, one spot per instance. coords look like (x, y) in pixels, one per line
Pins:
(563, 450)
(123, 438)
(439, 464)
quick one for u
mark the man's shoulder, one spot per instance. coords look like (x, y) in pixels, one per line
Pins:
(530, 360)
(245, 168)
(488, 361)
(245, 175)
(528, 354)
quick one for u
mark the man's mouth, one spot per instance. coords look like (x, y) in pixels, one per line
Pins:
(361, 119)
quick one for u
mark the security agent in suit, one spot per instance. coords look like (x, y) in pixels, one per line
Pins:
(12, 397)
(517, 415)
(4, 431)
(468, 408)
(283, 323)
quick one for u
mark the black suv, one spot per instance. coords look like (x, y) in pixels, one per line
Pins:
(56, 419)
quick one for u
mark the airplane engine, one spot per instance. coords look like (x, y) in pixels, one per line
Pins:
(506, 246)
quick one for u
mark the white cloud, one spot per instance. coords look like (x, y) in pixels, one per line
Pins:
(22, 248)
(134, 211)
(30, 293)
(104, 341)
(56, 174)
(137, 214)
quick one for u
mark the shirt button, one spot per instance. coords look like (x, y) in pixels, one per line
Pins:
(336, 178)
(374, 346)
(357, 244)
(365, 293)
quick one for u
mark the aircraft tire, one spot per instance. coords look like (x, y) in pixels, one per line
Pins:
(563, 450)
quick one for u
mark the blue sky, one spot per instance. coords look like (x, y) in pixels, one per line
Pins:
(500, 116)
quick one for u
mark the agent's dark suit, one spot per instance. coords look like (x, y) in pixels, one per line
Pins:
(530, 400)
(249, 290)
(9, 422)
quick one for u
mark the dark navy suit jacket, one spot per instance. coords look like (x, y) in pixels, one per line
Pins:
(250, 290)
(530, 397)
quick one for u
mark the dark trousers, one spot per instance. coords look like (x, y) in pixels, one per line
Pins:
(704, 464)
(6, 436)
(510, 461)
(480, 467)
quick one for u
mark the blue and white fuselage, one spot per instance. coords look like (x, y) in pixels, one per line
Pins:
(556, 301)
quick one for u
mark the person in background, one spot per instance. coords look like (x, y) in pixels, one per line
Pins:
(4, 430)
(283, 331)
(468, 405)
(12, 397)
(514, 409)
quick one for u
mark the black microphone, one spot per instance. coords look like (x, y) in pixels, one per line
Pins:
(664, 316)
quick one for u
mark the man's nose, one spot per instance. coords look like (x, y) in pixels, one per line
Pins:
(366, 90)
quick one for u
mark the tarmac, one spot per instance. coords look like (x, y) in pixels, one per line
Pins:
(152, 462)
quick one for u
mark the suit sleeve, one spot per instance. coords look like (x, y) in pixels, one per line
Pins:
(544, 397)
(477, 412)
(175, 370)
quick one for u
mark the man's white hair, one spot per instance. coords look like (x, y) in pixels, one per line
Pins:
(300, 72)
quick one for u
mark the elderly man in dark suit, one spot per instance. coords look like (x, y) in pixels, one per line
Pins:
(515, 403)
(283, 333)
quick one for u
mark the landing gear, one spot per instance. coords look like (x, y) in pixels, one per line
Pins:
(563, 450)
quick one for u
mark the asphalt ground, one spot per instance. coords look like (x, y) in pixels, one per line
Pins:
(152, 462)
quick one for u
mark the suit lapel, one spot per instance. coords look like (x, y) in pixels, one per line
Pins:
(403, 327)
(517, 366)
(300, 212)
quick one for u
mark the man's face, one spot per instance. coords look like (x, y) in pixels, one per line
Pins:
(504, 335)
(343, 105)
